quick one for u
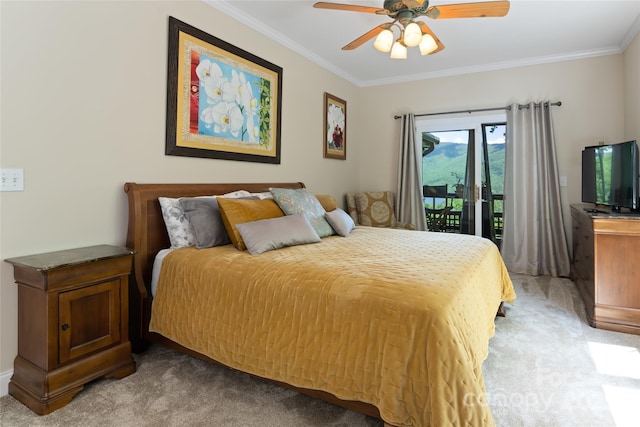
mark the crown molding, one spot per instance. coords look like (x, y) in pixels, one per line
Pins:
(226, 7)
(631, 34)
(493, 67)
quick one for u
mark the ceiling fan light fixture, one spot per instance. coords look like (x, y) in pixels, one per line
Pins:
(412, 34)
(427, 44)
(384, 41)
(404, 14)
(399, 50)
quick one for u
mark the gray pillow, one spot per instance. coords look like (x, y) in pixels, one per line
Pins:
(340, 221)
(206, 222)
(275, 233)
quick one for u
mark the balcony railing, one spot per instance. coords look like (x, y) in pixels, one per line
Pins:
(452, 221)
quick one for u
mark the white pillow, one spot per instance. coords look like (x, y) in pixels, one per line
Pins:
(263, 195)
(236, 194)
(178, 227)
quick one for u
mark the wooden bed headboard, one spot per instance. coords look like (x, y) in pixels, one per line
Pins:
(147, 235)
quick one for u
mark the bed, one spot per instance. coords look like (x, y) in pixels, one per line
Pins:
(391, 323)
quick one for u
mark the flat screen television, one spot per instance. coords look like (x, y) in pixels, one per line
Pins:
(610, 175)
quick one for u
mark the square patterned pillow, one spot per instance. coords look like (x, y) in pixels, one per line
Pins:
(238, 211)
(176, 222)
(302, 201)
(375, 209)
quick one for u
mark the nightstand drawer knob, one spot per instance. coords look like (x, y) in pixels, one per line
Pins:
(65, 326)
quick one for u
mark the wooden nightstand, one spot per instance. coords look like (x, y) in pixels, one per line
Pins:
(72, 323)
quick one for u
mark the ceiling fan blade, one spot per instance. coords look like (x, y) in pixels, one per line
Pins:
(469, 10)
(349, 7)
(426, 30)
(365, 37)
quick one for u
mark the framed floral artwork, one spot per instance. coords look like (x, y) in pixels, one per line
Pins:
(222, 102)
(335, 127)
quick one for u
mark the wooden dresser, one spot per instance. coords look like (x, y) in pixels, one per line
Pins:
(606, 267)
(72, 323)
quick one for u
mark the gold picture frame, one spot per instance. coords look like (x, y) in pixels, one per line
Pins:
(222, 102)
(335, 127)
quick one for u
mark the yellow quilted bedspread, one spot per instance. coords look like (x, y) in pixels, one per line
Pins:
(399, 319)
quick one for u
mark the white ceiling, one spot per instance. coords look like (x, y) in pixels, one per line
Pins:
(533, 32)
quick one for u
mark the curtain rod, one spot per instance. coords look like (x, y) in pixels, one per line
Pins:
(508, 107)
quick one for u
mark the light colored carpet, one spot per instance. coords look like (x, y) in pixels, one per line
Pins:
(546, 367)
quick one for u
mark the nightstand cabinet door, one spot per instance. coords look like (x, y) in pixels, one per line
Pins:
(89, 319)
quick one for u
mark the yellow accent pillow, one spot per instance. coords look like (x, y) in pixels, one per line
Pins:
(327, 201)
(239, 211)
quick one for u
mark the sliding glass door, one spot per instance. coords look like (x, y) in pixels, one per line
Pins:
(463, 174)
(493, 137)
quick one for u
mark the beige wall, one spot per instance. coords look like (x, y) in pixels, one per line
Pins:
(83, 111)
(632, 90)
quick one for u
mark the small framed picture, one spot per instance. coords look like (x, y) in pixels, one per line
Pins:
(335, 127)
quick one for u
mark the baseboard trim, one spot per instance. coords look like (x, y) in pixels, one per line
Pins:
(4, 382)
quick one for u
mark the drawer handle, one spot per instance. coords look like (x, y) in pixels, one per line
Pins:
(65, 326)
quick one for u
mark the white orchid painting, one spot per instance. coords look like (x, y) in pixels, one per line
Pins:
(231, 103)
(222, 102)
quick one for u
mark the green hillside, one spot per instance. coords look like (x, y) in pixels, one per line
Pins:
(448, 159)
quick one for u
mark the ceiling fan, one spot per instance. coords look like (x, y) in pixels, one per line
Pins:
(414, 33)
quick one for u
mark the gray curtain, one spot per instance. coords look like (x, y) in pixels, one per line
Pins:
(534, 240)
(409, 203)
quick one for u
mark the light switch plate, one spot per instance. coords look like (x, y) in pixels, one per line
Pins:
(11, 179)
